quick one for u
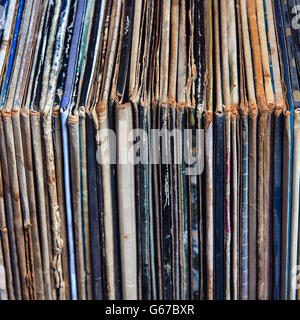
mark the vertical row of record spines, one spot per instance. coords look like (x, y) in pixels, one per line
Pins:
(146, 121)
(226, 76)
(219, 161)
(7, 124)
(235, 144)
(244, 165)
(267, 60)
(147, 96)
(24, 133)
(174, 21)
(93, 109)
(262, 126)
(155, 125)
(109, 72)
(9, 215)
(293, 93)
(5, 248)
(113, 105)
(199, 250)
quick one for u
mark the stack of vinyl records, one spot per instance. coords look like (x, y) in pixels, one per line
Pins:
(149, 149)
